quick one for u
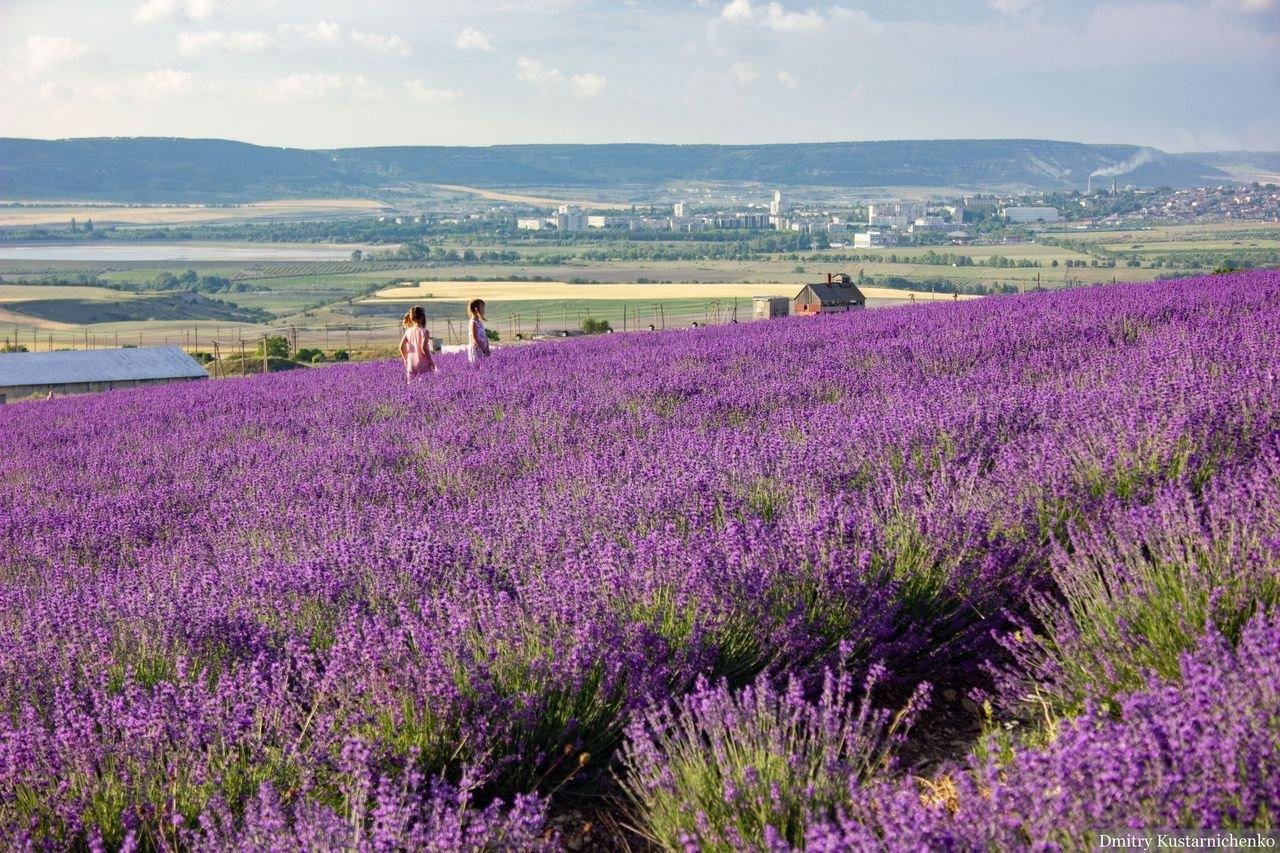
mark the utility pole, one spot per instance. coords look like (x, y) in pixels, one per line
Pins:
(266, 365)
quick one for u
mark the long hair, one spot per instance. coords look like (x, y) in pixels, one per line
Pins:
(408, 319)
(476, 308)
(418, 316)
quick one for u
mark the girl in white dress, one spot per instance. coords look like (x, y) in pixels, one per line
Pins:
(477, 337)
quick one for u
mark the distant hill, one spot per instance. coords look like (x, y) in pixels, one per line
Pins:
(163, 169)
(1263, 166)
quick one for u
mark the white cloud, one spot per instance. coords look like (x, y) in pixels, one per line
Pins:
(419, 91)
(150, 11)
(472, 39)
(45, 52)
(774, 16)
(738, 11)
(533, 71)
(247, 41)
(381, 44)
(587, 85)
(324, 32)
(1010, 7)
(162, 83)
(51, 91)
(552, 81)
(788, 79)
(778, 18)
(363, 89)
(742, 72)
(156, 85)
(300, 87)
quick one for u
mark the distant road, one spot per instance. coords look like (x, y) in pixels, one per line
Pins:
(533, 199)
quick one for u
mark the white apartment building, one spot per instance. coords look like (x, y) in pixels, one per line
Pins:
(1031, 213)
(873, 240)
(570, 220)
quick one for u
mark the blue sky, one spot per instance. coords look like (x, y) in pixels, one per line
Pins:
(1178, 75)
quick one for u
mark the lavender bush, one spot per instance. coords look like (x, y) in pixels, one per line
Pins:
(725, 771)
(209, 592)
(1140, 586)
(1203, 753)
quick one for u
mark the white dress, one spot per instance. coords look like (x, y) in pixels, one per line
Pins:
(478, 333)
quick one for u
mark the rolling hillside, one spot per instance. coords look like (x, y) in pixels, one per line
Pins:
(161, 169)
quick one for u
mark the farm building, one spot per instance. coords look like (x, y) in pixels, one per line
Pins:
(25, 374)
(838, 293)
(768, 307)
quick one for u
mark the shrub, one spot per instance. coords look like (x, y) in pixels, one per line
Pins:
(1137, 591)
(277, 346)
(595, 327)
(1202, 753)
(725, 771)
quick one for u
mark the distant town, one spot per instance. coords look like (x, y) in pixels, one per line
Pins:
(893, 221)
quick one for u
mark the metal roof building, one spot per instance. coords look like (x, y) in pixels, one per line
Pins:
(26, 374)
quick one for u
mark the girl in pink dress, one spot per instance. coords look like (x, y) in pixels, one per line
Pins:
(415, 345)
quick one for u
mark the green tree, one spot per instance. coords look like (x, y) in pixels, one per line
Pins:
(277, 346)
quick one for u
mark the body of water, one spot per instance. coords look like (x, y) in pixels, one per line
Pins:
(165, 251)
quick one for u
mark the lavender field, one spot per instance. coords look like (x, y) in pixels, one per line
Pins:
(972, 576)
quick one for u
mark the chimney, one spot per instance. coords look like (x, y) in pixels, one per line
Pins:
(828, 278)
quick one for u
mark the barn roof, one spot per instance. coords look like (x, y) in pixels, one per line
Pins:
(97, 365)
(837, 292)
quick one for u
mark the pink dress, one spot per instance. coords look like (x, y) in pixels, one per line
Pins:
(417, 360)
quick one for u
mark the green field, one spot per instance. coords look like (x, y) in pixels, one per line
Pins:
(326, 303)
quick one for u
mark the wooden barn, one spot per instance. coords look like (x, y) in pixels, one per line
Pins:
(36, 374)
(838, 293)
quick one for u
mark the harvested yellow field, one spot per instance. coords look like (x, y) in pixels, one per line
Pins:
(515, 291)
(27, 292)
(103, 214)
(10, 317)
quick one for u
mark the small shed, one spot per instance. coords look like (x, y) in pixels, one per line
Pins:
(837, 294)
(27, 374)
(768, 307)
